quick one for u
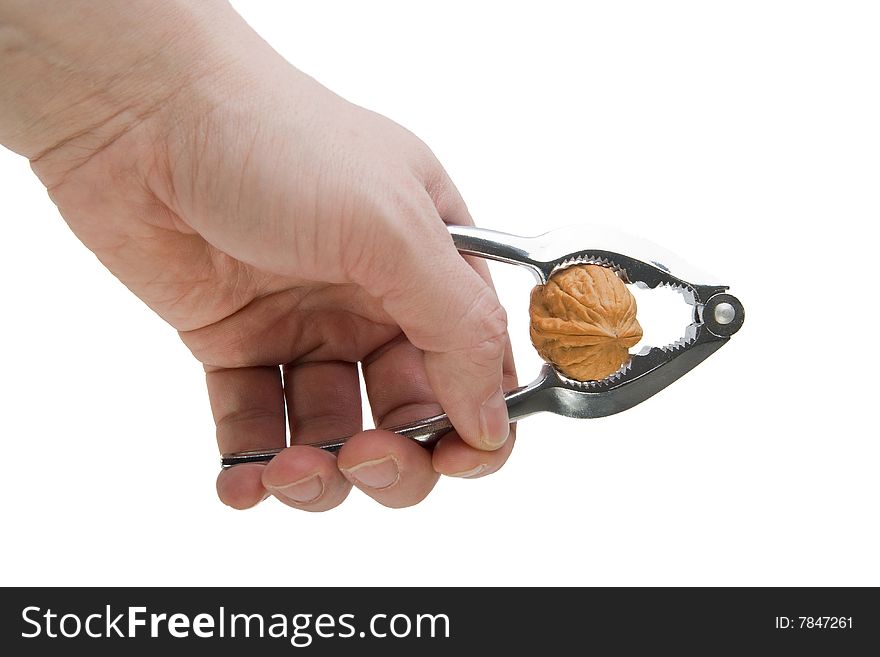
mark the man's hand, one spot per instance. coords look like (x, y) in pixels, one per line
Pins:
(285, 233)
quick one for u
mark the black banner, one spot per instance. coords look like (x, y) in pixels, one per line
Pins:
(319, 621)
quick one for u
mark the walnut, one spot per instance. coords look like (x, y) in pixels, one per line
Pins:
(584, 322)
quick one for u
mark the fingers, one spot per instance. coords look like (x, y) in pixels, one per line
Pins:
(248, 408)
(448, 311)
(455, 458)
(241, 486)
(397, 384)
(399, 392)
(323, 402)
(305, 478)
(391, 469)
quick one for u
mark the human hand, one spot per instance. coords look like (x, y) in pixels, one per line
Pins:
(285, 233)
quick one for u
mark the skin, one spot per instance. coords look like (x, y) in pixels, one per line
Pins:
(286, 234)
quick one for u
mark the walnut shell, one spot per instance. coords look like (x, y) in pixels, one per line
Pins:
(584, 322)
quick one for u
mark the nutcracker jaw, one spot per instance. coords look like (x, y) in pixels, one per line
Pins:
(716, 315)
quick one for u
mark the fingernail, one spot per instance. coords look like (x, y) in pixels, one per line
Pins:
(494, 421)
(473, 472)
(377, 474)
(303, 491)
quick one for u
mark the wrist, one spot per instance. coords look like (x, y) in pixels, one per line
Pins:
(65, 94)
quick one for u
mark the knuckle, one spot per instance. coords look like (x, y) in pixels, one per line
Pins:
(490, 321)
(221, 345)
(490, 351)
(445, 197)
(248, 416)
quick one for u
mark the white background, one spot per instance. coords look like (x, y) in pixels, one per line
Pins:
(743, 136)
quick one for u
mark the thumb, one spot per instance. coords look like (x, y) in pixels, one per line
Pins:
(449, 312)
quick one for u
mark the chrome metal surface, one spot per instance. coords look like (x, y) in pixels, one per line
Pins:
(725, 313)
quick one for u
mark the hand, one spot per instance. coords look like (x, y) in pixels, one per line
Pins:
(287, 235)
